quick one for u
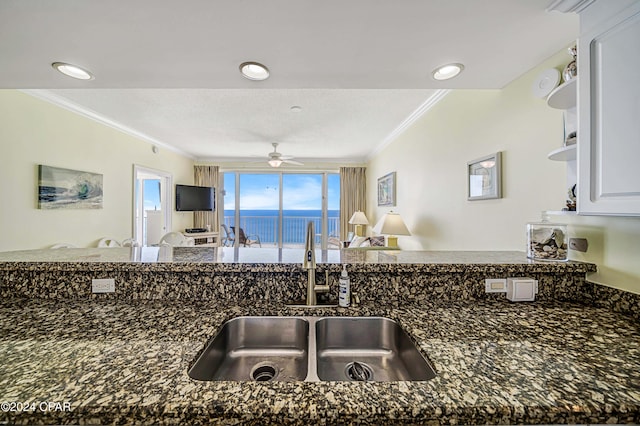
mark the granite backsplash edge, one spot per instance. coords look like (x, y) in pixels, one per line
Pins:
(393, 285)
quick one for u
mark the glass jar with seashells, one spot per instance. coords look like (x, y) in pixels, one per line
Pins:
(547, 241)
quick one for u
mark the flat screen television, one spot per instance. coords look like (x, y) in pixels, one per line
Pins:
(194, 198)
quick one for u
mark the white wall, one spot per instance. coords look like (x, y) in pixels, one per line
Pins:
(35, 132)
(430, 159)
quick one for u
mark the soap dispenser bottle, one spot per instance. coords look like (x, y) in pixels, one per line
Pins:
(344, 298)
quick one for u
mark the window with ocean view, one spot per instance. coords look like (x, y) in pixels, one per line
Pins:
(274, 208)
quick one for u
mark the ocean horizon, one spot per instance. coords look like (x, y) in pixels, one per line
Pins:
(309, 213)
(265, 224)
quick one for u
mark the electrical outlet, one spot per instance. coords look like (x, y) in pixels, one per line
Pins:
(103, 285)
(522, 289)
(578, 244)
(495, 285)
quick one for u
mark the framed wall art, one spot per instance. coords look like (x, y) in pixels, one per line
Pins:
(68, 189)
(387, 190)
(484, 177)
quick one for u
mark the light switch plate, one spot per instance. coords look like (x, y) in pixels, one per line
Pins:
(103, 285)
(495, 285)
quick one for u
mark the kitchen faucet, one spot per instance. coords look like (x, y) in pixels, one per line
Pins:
(309, 263)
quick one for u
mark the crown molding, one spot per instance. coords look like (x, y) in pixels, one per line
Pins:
(408, 122)
(65, 103)
(569, 6)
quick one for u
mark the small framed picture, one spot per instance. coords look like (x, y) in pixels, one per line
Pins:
(484, 177)
(387, 190)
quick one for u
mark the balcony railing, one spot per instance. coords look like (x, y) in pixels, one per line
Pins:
(294, 228)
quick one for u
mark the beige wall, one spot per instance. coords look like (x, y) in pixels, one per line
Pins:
(35, 132)
(430, 159)
(614, 245)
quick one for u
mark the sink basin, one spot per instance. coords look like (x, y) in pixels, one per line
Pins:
(380, 349)
(311, 349)
(256, 348)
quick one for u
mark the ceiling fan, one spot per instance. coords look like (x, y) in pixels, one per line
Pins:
(276, 159)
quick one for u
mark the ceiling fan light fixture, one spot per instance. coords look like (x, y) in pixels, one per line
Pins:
(445, 72)
(275, 162)
(254, 71)
(72, 71)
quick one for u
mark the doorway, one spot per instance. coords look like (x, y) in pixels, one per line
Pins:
(151, 204)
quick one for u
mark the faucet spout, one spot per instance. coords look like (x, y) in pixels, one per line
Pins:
(309, 263)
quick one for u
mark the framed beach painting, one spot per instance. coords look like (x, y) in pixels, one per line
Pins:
(484, 177)
(68, 189)
(387, 190)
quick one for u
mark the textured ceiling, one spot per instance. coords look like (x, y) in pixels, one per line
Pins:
(168, 70)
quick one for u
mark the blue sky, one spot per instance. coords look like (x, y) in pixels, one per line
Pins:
(152, 194)
(300, 191)
(260, 192)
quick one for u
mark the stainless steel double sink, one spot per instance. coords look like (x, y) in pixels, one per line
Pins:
(311, 349)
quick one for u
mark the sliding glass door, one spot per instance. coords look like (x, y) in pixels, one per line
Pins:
(333, 210)
(301, 203)
(258, 209)
(273, 209)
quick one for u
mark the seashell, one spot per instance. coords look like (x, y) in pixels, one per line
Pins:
(542, 235)
(559, 237)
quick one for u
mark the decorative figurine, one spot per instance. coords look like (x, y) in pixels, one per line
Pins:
(571, 70)
(571, 202)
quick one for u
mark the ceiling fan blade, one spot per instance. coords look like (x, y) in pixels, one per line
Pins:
(297, 163)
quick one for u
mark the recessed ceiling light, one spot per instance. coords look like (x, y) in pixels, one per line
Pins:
(296, 108)
(448, 71)
(254, 71)
(72, 71)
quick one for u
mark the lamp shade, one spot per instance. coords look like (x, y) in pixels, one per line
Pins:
(359, 218)
(391, 224)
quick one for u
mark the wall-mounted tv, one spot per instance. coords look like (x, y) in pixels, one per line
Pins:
(194, 198)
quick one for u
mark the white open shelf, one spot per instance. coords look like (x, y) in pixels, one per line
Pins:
(559, 213)
(563, 96)
(566, 153)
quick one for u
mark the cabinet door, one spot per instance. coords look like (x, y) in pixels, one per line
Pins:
(609, 116)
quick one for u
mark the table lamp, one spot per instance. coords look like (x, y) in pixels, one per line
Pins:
(358, 219)
(391, 224)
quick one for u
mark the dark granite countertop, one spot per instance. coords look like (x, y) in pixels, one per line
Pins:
(276, 260)
(496, 362)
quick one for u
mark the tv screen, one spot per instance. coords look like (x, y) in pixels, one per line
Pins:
(194, 198)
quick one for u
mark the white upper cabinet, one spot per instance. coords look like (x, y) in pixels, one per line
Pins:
(609, 109)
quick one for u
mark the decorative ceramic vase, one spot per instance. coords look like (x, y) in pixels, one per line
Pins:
(571, 70)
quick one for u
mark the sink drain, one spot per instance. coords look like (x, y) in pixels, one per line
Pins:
(264, 372)
(359, 371)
